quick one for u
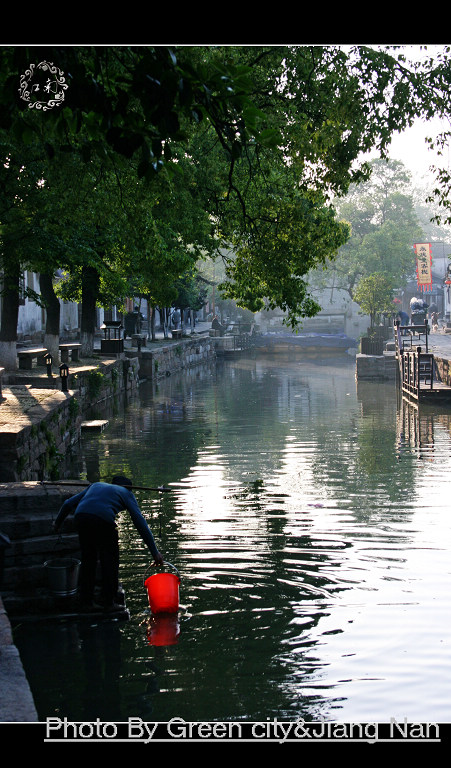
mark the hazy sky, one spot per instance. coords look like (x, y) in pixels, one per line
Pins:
(410, 147)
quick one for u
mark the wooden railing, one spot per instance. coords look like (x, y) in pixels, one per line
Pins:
(416, 365)
(411, 336)
(234, 342)
(417, 370)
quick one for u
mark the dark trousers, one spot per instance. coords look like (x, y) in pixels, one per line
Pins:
(98, 541)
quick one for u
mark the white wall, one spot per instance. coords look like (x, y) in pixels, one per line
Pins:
(31, 320)
(338, 302)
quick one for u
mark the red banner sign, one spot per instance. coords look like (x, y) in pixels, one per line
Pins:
(423, 253)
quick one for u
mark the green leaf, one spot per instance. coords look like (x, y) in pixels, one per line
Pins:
(269, 138)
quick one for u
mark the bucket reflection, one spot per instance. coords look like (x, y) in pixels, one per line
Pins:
(163, 629)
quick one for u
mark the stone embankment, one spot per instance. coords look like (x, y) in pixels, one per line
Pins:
(39, 422)
(38, 425)
(163, 359)
(27, 513)
(376, 367)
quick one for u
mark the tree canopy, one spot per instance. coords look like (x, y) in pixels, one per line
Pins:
(374, 294)
(193, 150)
(383, 227)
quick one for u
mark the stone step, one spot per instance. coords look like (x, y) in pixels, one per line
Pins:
(39, 603)
(27, 569)
(33, 497)
(32, 551)
(24, 581)
(31, 525)
(95, 425)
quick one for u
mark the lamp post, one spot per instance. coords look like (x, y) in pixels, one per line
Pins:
(64, 373)
(49, 361)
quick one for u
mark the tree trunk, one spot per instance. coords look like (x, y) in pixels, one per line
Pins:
(164, 321)
(10, 314)
(89, 294)
(151, 311)
(53, 311)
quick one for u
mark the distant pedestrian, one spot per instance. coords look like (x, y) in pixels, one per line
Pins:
(176, 319)
(216, 325)
(434, 321)
(403, 320)
(95, 510)
(403, 317)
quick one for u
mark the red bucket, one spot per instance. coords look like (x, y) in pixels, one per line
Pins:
(163, 592)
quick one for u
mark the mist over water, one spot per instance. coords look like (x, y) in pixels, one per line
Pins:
(309, 521)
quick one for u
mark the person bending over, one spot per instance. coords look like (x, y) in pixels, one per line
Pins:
(95, 510)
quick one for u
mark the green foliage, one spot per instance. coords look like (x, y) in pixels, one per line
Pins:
(374, 295)
(160, 156)
(191, 292)
(268, 267)
(383, 228)
(95, 382)
(131, 102)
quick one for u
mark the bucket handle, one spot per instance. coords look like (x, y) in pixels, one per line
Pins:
(152, 565)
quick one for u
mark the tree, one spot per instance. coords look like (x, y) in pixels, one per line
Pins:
(84, 205)
(125, 101)
(267, 268)
(383, 225)
(274, 214)
(167, 230)
(191, 293)
(21, 235)
(268, 137)
(374, 295)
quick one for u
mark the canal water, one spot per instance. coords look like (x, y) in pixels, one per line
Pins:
(309, 521)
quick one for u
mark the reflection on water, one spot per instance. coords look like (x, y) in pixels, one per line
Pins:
(309, 521)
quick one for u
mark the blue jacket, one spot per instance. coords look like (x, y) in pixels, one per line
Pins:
(106, 500)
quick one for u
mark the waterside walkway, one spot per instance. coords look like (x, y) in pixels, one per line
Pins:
(16, 700)
(439, 344)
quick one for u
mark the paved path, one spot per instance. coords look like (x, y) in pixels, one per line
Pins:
(439, 344)
(16, 408)
(16, 700)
